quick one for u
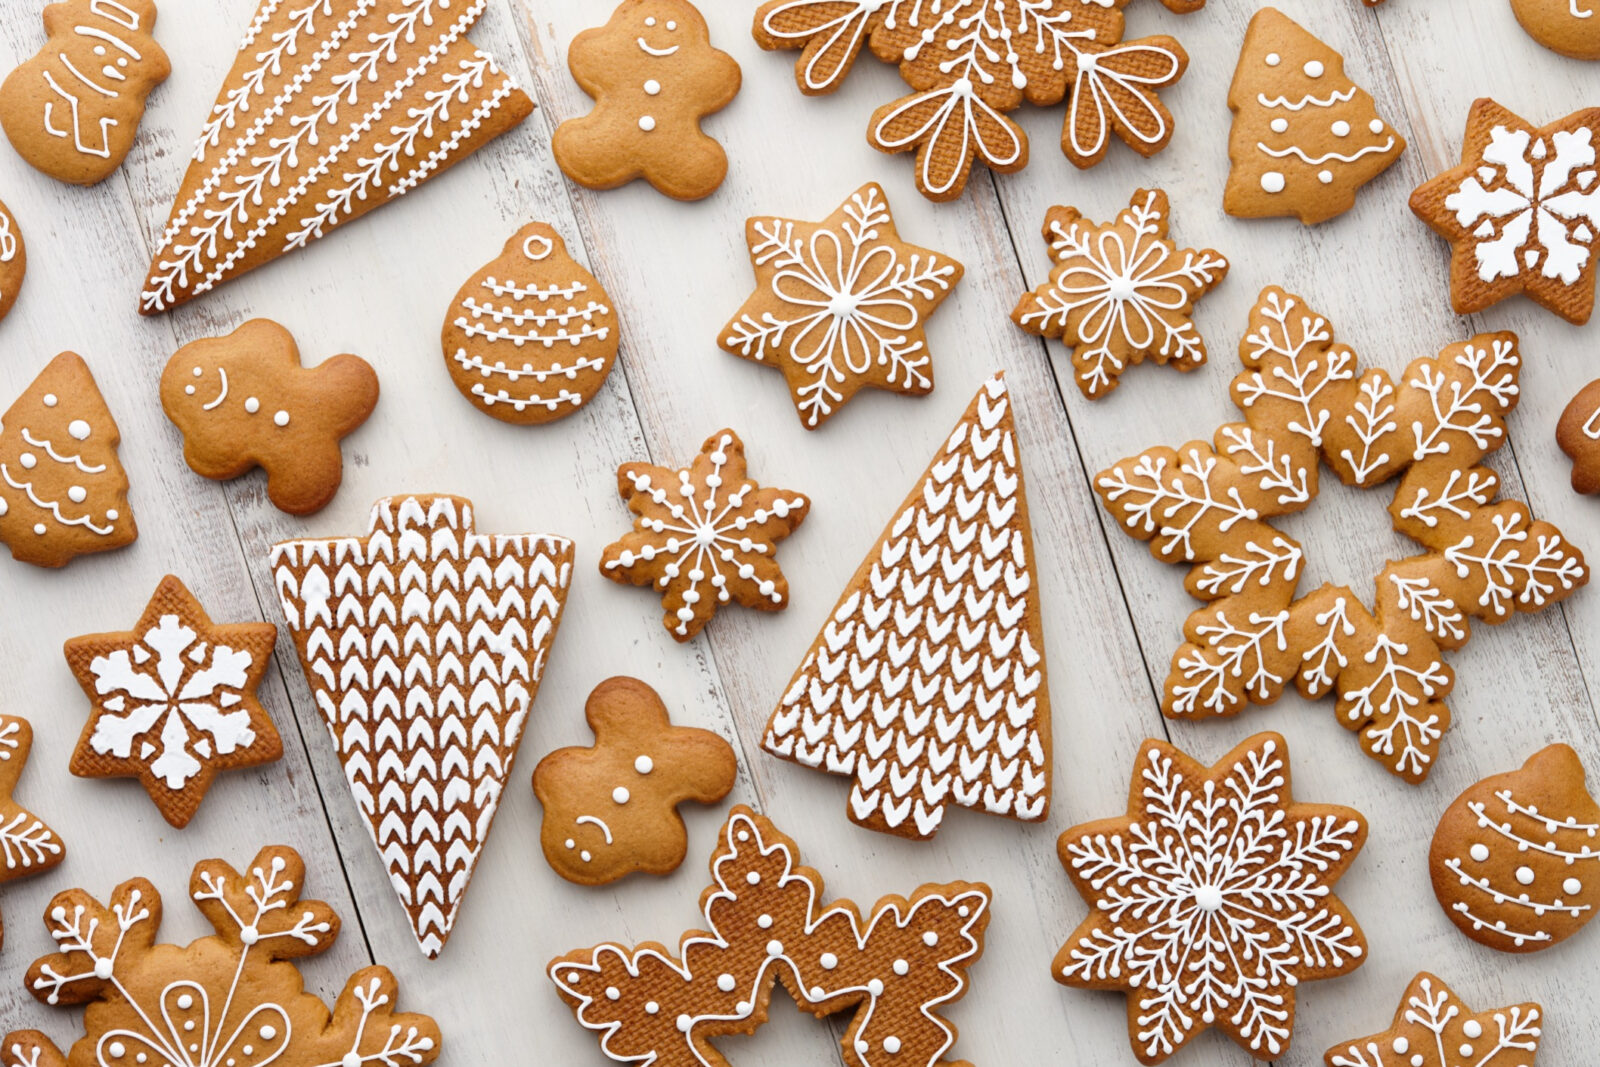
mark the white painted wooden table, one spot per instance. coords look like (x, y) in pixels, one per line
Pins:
(676, 271)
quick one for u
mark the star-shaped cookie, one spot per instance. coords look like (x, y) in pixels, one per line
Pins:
(839, 305)
(27, 845)
(704, 535)
(1521, 212)
(1432, 1028)
(174, 701)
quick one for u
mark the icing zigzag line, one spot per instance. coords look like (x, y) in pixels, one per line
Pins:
(1337, 97)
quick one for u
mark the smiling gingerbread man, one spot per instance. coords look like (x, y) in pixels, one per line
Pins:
(654, 75)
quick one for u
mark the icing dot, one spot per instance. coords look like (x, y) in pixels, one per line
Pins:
(613, 993)
(1525, 875)
(1465, 1050)
(28, 460)
(1273, 59)
(281, 418)
(651, 1008)
(765, 922)
(351, 1059)
(50, 400)
(39, 529)
(1572, 887)
(252, 405)
(1401, 1046)
(268, 1033)
(117, 1049)
(112, 513)
(77, 494)
(249, 935)
(862, 1047)
(901, 967)
(1280, 125)
(644, 765)
(1313, 68)
(1272, 181)
(1376, 126)
(672, 25)
(620, 794)
(1325, 176)
(725, 982)
(652, 86)
(78, 429)
(651, 21)
(102, 969)
(754, 877)
(570, 843)
(683, 1023)
(188, 390)
(1340, 128)
(828, 961)
(1208, 898)
(1479, 852)
(930, 939)
(891, 1044)
(774, 948)
(1472, 1028)
(647, 123)
(875, 987)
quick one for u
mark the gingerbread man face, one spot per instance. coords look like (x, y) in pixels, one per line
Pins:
(244, 401)
(611, 809)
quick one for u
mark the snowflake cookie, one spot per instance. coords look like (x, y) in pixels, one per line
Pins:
(1432, 1028)
(968, 62)
(1212, 899)
(1305, 400)
(27, 845)
(703, 535)
(1521, 212)
(1516, 859)
(230, 999)
(174, 701)
(1120, 293)
(927, 682)
(896, 968)
(840, 304)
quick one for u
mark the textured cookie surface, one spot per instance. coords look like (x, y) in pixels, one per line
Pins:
(27, 845)
(1571, 27)
(1433, 1028)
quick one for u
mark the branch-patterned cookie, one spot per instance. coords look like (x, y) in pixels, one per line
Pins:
(27, 845)
(1433, 1028)
(230, 999)
(13, 260)
(1212, 899)
(424, 643)
(897, 967)
(173, 701)
(331, 109)
(840, 304)
(927, 682)
(704, 535)
(611, 809)
(1211, 506)
(1578, 434)
(1521, 212)
(1516, 858)
(1121, 292)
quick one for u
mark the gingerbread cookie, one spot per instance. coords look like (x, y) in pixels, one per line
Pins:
(1212, 900)
(63, 494)
(331, 110)
(1520, 212)
(244, 401)
(27, 845)
(1433, 1028)
(704, 535)
(1120, 292)
(840, 304)
(531, 337)
(1211, 505)
(653, 74)
(611, 809)
(233, 997)
(1570, 27)
(13, 260)
(72, 111)
(1578, 434)
(424, 643)
(173, 701)
(896, 967)
(927, 681)
(1516, 859)
(1305, 138)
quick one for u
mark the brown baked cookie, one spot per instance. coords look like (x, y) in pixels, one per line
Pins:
(654, 75)
(73, 110)
(1570, 27)
(63, 494)
(1516, 858)
(244, 401)
(531, 336)
(27, 845)
(611, 809)
(1433, 1028)
(1578, 434)
(173, 701)
(13, 260)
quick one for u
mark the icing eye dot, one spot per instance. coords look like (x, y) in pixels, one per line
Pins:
(1341, 128)
(112, 514)
(647, 123)
(1280, 125)
(252, 405)
(197, 372)
(672, 25)
(644, 765)
(1272, 181)
(725, 982)
(1273, 59)
(1479, 852)
(1376, 125)
(281, 418)
(1524, 875)
(77, 494)
(1313, 68)
(570, 843)
(188, 390)
(1472, 1028)
(901, 967)
(1572, 887)
(78, 429)
(620, 794)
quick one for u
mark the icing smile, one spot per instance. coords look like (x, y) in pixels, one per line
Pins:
(644, 46)
(223, 374)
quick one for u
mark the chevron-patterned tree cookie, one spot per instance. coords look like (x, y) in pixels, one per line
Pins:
(331, 109)
(927, 682)
(1433, 1028)
(1211, 505)
(424, 642)
(897, 967)
(27, 845)
(231, 999)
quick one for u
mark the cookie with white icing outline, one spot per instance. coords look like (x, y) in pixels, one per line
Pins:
(13, 260)
(1578, 435)
(27, 845)
(1433, 1028)
(1570, 27)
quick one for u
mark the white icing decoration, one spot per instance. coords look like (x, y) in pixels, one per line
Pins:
(1434, 1010)
(222, 390)
(1314, 68)
(252, 404)
(643, 765)
(75, 100)
(1272, 181)
(647, 123)
(25, 841)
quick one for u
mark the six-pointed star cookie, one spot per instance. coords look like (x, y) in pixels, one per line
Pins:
(839, 305)
(1432, 1028)
(704, 535)
(174, 701)
(27, 845)
(1521, 212)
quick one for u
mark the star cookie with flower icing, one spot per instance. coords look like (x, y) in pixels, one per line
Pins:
(1432, 1028)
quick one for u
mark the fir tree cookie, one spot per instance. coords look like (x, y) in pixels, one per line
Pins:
(1578, 434)
(840, 305)
(1120, 292)
(1521, 212)
(1305, 138)
(1570, 27)
(653, 74)
(13, 260)
(1433, 1028)
(27, 845)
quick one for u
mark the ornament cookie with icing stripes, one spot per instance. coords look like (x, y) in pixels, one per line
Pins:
(1516, 858)
(927, 682)
(531, 337)
(1305, 139)
(424, 642)
(332, 109)
(13, 260)
(1433, 1028)
(27, 845)
(897, 967)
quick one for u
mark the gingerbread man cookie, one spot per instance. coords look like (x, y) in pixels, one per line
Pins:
(244, 401)
(611, 809)
(1578, 434)
(654, 75)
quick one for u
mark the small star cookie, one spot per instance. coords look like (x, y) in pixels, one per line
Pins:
(1432, 1028)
